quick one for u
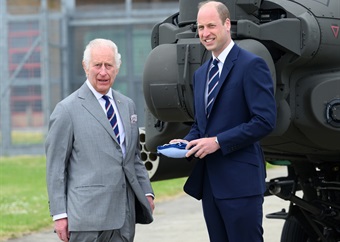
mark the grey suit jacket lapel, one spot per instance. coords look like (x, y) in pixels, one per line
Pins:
(91, 104)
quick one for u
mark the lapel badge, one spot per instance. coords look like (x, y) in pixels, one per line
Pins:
(133, 118)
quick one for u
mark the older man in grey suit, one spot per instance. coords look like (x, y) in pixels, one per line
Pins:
(97, 185)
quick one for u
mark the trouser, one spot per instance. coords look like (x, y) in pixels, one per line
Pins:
(232, 220)
(124, 234)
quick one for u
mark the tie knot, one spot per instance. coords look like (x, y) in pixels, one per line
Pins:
(215, 62)
(105, 97)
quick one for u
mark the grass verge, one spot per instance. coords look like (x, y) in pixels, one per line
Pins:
(23, 196)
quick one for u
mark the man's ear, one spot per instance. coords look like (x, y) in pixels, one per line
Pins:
(227, 23)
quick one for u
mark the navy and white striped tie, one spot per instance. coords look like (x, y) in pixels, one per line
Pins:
(111, 115)
(214, 78)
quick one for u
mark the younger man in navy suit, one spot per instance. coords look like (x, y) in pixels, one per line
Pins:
(231, 117)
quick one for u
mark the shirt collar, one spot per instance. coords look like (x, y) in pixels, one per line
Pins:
(97, 94)
(224, 53)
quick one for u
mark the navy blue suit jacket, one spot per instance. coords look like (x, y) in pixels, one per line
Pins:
(244, 111)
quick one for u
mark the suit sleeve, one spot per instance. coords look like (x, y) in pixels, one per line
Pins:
(58, 147)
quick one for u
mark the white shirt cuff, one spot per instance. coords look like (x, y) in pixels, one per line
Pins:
(59, 216)
(150, 194)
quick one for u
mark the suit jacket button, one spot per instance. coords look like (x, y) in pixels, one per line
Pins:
(123, 186)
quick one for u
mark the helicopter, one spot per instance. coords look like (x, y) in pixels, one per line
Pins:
(300, 42)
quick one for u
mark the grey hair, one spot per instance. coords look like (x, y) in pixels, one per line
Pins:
(99, 43)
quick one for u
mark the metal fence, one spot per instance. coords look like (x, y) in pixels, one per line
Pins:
(41, 50)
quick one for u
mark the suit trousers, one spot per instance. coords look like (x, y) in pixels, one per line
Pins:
(232, 220)
(124, 234)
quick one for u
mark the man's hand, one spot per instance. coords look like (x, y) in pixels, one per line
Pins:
(150, 200)
(202, 147)
(61, 228)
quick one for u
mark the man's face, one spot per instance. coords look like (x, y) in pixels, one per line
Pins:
(214, 34)
(102, 69)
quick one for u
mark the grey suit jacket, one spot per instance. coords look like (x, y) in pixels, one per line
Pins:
(86, 173)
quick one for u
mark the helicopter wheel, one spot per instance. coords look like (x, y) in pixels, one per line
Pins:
(293, 232)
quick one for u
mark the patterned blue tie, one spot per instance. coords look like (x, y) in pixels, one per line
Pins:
(214, 77)
(110, 113)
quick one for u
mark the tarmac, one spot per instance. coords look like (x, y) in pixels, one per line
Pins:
(181, 219)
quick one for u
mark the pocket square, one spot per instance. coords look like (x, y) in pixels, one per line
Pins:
(175, 150)
(133, 118)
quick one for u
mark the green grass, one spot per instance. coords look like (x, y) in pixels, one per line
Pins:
(23, 195)
(29, 138)
(26, 137)
(168, 188)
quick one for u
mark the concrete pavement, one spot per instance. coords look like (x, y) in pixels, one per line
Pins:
(181, 219)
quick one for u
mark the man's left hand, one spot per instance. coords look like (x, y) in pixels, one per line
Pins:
(152, 204)
(202, 147)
